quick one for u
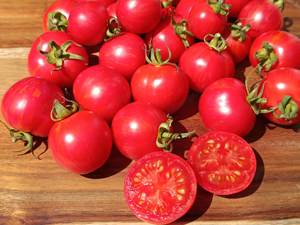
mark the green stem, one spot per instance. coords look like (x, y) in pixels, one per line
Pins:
(182, 31)
(57, 21)
(219, 7)
(218, 43)
(114, 29)
(60, 111)
(288, 108)
(266, 57)
(279, 3)
(239, 32)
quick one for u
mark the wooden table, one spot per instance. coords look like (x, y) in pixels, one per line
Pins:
(40, 192)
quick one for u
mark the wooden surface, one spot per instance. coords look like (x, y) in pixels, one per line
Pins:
(39, 192)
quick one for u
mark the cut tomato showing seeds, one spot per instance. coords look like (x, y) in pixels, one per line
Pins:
(224, 163)
(160, 187)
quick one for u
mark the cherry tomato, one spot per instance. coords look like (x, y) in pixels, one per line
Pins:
(139, 16)
(262, 15)
(55, 57)
(236, 6)
(26, 106)
(106, 3)
(275, 49)
(204, 65)
(124, 54)
(160, 188)
(223, 106)
(102, 91)
(88, 23)
(224, 163)
(184, 8)
(281, 90)
(207, 18)
(81, 143)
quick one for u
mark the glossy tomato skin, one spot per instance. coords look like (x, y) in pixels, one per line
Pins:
(88, 23)
(81, 143)
(224, 163)
(26, 106)
(277, 84)
(135, 129)
(162, 181)
(184, 7)
(223, 106)
(166, 87)
(102, 91)
(200, 16)
(204, 65)
(286, 47)
(112, 10)
(236, 7)
(139, 16)
(262, 15)
(106, 3)
(124, 54)
(38, 65)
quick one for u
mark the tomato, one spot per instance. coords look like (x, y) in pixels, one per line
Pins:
(170, 37)
(106, 3)
(223, 106)
(184, 8)
(236, 7)
(139, 16)
(207, 18)
(81, 143)
(102, 91)
(239, 42)
(275, 49)
(26, 106)
(112, 10)
(224, 163)
(160, 188)
(262, 15)
(204, 64)
(124, 54)
(88, 23)
(281, 90)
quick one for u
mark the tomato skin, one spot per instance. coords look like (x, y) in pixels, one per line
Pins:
(81, 143)
(135, 128)
(224, 163)
(106, 3)
(112, 10)
(26, 106)
(236, 7)
(223, 106)
(203, 14)
(285, 45)
(39, 67)
(277, 84)
(124, 54)
(166, 87)
(203, 65)
(184, 8)
(262, 15)
(102, 91)
(88, 23)
(166, 174)
(139, 16)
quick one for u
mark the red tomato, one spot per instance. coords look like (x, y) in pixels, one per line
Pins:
(160, 188)
(170, 38)
(103, 2)
(139, 16)
(81, 143)
(207, 18)
(275, 49)
(26, 106)
(236, 7)
(262, 15)
(112, 10)
(204, 65)
(223, 106)
(102, 91)
(88, 23)
(281, 90)
(61, 69)
(135, 129)
(224, 163)
(184, 8)
(124, 54)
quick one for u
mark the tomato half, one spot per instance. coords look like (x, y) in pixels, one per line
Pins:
(224, 163)
(160, 188)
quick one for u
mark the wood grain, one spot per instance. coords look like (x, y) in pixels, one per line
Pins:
(40, 192)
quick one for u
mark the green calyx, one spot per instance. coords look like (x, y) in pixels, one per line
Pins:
(58, 54)
(239, 32)
(217, 42)
(57, 21)
(60, 111)
(288, 108)
(279, 3)
(166, 3)
(220, 7)
(182, 31)
(266, 57)
(114, 28)
(155, 58)
(166, 137)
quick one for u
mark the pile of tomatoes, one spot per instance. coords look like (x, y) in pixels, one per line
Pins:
(151, 54)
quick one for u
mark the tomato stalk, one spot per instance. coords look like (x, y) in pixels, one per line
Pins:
(182, 31)
(279, 3)
(266, 57)
(219, 7)
(166, 136)
(60, 111)
(155, 58)
(288, 108)
(239, 32)
(218, 43)
(57, 21)
(166, 3)
(114, 28)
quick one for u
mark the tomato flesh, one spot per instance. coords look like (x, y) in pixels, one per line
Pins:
(160, 187)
